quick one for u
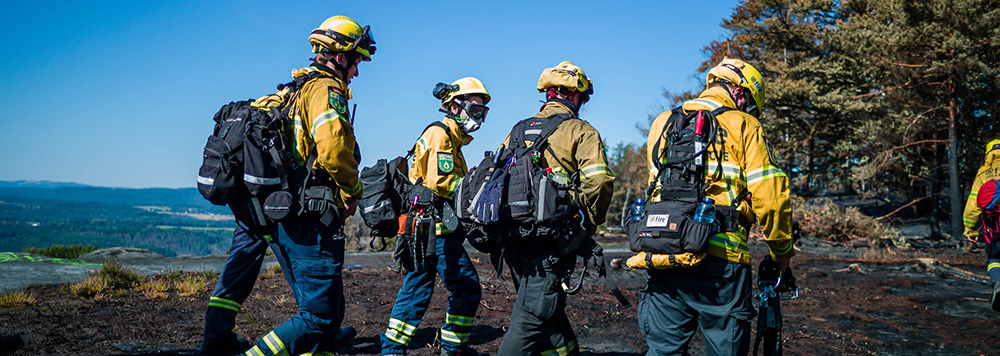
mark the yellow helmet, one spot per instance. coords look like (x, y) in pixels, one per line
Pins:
(565, 75)
(737, 72)
(993, 145)
(461, 87)
(343, 34)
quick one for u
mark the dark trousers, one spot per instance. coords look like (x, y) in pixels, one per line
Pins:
(538, 321)
(993, 260)
(715, 295)
(459, 276)
(236, 281)
(315, 256)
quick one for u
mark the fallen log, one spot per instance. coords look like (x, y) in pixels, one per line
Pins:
(935, 265)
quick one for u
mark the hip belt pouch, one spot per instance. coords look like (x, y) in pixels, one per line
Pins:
(554, 203)
(668, 227)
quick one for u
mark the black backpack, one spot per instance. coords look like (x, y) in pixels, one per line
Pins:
(248, 156)
(389, 194)
(668, 226)
(511, 194)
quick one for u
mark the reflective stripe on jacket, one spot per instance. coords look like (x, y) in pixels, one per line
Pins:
(322, 124)
(989, 170)
(747, 164)
(578, 148)
(438, 159)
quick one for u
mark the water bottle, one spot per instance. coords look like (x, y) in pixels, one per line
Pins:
(705, 213)
(638, 208)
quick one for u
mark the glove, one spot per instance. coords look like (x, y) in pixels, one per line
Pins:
(487, 209)
(402, 256)
(480, 241)
(593, 253)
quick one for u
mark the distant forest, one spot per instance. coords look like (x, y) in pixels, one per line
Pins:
(108, 217)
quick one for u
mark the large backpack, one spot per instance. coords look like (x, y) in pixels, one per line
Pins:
(513, 194)
(248, 156)
(389, 194)
(988, 199)
(681, 156)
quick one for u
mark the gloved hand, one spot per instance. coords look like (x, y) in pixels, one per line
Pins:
(593, 253)
(487, 209)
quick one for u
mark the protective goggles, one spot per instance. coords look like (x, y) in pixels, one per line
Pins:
(364, 44)
(475, 111)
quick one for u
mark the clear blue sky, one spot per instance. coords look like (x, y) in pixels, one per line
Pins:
(122, 93)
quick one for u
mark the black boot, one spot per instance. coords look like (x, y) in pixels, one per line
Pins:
(9, 344)
(345, 336)
(224, 346)
(996, 296)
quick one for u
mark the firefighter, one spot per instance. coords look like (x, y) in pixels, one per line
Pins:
(438, 161)
(715, 294)
(989, 170)
(538, 322)
(325, 156)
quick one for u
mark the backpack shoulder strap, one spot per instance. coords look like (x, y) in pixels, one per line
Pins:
(438, 124)
(657, 152)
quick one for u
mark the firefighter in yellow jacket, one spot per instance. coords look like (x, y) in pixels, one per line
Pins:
(538, 322)
(990, 170)
(713, 290)
(326, 156)
(438, 161)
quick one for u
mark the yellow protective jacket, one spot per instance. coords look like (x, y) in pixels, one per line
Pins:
(578, 148)
(438, 159)
(747, 164)
(989, 170)
(322, 125)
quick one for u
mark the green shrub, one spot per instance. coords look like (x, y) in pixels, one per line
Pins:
(62, 251)
(823, 219)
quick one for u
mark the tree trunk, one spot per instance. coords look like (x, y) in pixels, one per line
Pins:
(953, 191)
(932, 189)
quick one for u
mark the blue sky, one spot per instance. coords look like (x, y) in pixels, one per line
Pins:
(122, 93)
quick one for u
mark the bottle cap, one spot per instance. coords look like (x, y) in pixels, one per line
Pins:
(708, 200)
(640, 201)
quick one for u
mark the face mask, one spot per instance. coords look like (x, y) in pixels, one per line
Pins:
(468, 125)
(477, 116)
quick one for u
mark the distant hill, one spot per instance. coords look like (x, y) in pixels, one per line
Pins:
(39, 184)
(178, 200)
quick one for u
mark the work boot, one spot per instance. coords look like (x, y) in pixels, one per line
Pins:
(996, 296)
(9, 344)
(467, 351)
(345, 336)
(224, 346)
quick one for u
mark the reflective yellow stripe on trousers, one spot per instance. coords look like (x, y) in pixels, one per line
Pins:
(399, 331)
(562, 351)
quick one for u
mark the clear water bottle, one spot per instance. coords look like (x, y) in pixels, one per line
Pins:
(705, 213)
(638, 208)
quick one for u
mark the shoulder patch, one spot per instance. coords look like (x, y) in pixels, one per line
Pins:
(337, 102)
(770, 151)
(446, 162)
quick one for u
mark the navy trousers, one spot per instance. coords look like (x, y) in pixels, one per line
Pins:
(462, 281)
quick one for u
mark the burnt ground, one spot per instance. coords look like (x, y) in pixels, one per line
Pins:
(852, 303)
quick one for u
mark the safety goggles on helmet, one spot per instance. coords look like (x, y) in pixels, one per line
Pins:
(363, 44)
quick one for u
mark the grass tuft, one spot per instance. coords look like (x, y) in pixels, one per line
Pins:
(154, 288)
(190, 284)
(62, 251)
(16, 299)
(111, 279)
